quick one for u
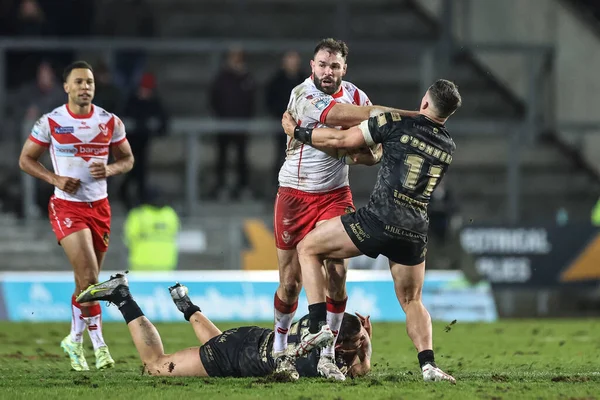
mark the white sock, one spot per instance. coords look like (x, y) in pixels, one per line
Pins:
(284, 315)
(335, 314)
(77, 322)
(94, 326)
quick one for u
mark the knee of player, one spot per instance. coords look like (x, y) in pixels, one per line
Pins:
(154, 366)
(304, 248)
(292, 287)
(409, 296)
(85, 280)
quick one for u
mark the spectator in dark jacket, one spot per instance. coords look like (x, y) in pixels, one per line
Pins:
(277, 96)
(145, 118)
(232, 96)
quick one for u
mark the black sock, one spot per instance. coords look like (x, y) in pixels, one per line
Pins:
(317, 316)
(130, 310)
(190, 311)
(426, 357)
(122, 298)
(120, 295)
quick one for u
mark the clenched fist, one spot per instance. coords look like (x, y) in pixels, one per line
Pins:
(98, 170)
(67, 184)
(288, 123)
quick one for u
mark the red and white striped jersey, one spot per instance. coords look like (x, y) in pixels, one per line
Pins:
(306, 168)
(75, 142)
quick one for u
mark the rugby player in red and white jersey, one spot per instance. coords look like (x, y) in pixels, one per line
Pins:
(80, 137)
(313, 187)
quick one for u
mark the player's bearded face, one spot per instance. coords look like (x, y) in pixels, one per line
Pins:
(328, 69)
(80, 86)
(328, 84)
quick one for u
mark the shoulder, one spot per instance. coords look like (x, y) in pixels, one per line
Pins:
(101, 113)
(349, 86)
(359, 96)
(392, 119)
(60, 111)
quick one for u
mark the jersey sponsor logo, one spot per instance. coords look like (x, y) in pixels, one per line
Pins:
(91, 149)
(60, 130)
(84, 150)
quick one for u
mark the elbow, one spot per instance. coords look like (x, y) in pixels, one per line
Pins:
(130, 163)
(23, 163)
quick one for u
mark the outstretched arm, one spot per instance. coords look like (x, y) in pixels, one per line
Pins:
(349, 114)
(323, 137)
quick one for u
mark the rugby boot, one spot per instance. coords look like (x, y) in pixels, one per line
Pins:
(328, 369)
(76, 353)
(431, 373)
(103, 358)
(179, 294)
(104, 290)
(312, 341)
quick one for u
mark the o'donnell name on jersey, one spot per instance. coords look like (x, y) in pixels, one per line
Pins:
(427, 148)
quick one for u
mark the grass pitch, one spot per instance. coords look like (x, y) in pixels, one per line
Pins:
(543, 359)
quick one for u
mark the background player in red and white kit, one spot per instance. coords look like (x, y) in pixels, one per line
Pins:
(313, 187)
(80, 137)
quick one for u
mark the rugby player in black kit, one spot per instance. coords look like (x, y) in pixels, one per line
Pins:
(416, 154)
(240, 352)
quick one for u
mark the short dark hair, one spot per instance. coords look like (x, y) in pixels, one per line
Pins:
(76, 65)
(350, 327)
(445, 97)
(333, 45)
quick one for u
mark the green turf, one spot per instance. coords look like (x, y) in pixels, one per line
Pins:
(505, 360)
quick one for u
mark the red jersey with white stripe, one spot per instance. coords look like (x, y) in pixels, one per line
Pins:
(77, 141)
(306, 168)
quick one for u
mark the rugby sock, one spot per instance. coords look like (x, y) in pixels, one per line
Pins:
(284, 315)
(187, 314)
(426, 357)
(77, 322)
(94, 326)
(317, 315)
(122, 298)
(335, 314)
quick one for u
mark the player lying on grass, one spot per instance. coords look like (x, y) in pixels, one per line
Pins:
(240, 352)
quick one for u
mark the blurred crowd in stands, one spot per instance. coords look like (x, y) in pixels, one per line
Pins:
(125, 86)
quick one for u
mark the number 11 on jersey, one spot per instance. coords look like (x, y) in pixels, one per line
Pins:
(415, 164)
